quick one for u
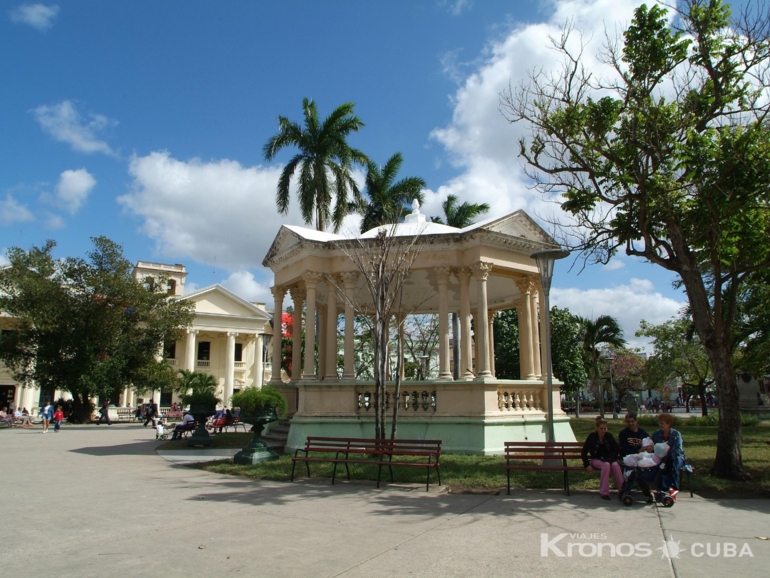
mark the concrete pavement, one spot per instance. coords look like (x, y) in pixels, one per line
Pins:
(98, 501)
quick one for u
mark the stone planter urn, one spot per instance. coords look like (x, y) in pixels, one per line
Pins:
(201, 412)
(257, 451)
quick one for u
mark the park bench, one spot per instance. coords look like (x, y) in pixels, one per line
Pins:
(126, 414)
(379, 452)
(186, 428)
(558, 454)
(173, 415)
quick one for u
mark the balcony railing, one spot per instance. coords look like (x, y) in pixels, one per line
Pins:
(203, 363)
(408, 401)
(171, 361)
(240, 364)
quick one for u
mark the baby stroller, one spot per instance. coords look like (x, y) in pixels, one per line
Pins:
(161, 431)
(648, 479)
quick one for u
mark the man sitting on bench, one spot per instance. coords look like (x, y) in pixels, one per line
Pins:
(183, 427)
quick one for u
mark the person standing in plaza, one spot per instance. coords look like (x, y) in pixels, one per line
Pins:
(58, 417)
(47, 414)
(104, 415)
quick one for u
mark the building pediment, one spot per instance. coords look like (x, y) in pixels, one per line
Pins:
(517, 225)
(217, 300)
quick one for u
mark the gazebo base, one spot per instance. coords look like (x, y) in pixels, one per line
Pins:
(459, 435)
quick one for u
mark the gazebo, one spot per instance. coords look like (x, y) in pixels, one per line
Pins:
(474, 272)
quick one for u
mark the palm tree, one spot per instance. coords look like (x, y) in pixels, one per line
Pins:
(604, 331)
(323, 152)
(388, 200)
(197, 382)
(459, 216)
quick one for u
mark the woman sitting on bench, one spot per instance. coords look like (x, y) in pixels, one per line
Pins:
(675, 460)
(600, 452)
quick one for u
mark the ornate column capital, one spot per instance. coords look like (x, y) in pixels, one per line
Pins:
(481, 269)
(442, 274)
(463, 274)
(525, 284)
(278, 291)
(193, 331)
(349, 279)
(297, 293)
(233, 334)
(311, 279)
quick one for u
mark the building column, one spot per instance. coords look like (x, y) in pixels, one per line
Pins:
(400, 319)
(525, 329)
(311, 282)
(442, 276)
(321, 340)
(278, 294)
(331, 330)
(535, 333)
(481, 271)
(492, 342)
(189, 359)
(229, 368)
(541, 304)
(349, 279)
(298, 297)
(259, 366)
(466, 359)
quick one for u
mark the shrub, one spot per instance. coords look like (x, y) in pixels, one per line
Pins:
(255, 402)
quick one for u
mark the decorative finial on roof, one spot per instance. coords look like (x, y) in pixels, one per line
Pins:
(415, 216)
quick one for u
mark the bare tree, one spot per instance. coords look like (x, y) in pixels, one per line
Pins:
(384, 262)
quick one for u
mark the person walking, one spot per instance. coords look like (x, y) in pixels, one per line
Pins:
(104, 415)
(47, 414)
(152, 413)
(58, 417)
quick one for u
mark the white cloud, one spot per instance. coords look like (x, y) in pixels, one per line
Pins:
(3, 259)
(39, 16)
(243, 284)
(53, 221)
(456, 7)
(615, 264)
(64, 123)
(629, 304)
(73, 188)
(11, 211)
(479, 141)
(216, 212)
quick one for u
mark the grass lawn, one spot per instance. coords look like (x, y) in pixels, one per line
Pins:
(462, 473)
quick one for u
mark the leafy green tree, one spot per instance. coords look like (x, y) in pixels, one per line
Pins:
(752, 327)
(627, 368)
(323, 153)
(388, 199)
(677, 354)
(566, 348)
(598, 335)
(459, 216)
(669, 160)
(83, 326)
(156, 376)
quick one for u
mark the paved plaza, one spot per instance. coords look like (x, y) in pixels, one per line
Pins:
(98, 501)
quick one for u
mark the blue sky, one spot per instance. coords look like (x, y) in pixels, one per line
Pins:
(145, 121)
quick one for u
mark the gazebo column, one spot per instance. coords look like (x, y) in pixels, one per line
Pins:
(400, 319)
(525, 329)
(331, 330)
(492, 342)
(349, 279)
(298, 297)
(481, 271)
(321, 340)
(536, 365)
(543, 369)
(278, 294)
(189, 359)
(311, 282)
(229, 368)
(442, 275)
(466, 359)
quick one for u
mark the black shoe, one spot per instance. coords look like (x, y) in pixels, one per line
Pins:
(649, 498)
(603, 497)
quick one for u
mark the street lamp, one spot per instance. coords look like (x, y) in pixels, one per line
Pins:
(545, 260)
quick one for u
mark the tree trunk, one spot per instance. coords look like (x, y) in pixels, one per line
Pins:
(397, 390)
(81, 410)
(728, 462)
(704, 410)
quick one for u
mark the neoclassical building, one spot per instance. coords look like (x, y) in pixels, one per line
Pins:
(227, 339)
(473, 272)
